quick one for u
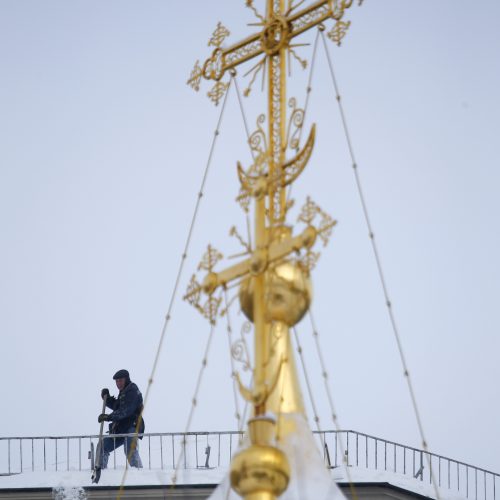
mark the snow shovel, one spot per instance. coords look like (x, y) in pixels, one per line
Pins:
(96, 472)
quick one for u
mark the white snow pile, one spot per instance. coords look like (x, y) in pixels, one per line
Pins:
(69, 493)
(309, 477)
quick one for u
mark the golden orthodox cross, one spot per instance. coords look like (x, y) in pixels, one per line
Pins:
(275, 290)
(267, 179)
(280, 26)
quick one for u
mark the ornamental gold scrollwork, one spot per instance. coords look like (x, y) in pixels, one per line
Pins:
(338, 32)
(219, 35)
(217, 92)
(259, 148)
(275, 36)
(295, 123)
(250, 5)
(196, 75)
(210, 259)
(213, 69)
(239, 349)
(257, 140)
(281, 178)
(308, 215)
(210, 308)
(234, 232)
(239, 354)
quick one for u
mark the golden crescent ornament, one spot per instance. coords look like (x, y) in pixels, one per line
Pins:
(290, 170)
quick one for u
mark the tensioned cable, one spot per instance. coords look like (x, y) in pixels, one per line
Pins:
(371, 235)
(194, 402)
(242, 109)
(233, 368)
(308, 385)
(316, 417)
(252, 152)
(324, 374)
(168, 316)
(247, 131)
(306, 104)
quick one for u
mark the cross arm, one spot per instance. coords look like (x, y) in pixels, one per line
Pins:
(257, 263)
(275, 35)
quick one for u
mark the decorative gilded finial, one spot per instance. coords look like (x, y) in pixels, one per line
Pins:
(273, 275)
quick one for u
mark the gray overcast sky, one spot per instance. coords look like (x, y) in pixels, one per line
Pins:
(102, 150)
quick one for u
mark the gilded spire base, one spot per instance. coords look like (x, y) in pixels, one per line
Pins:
(262, 471)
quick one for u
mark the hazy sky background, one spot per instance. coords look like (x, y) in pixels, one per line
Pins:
(102, 150)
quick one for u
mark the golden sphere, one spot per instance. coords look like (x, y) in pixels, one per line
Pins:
(260, 471)
(288, 294)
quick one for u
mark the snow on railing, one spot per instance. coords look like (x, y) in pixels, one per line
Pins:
(210, 450)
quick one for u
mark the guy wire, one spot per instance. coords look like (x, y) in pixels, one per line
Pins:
(306, 104)
(247, 131)
(354, 495)
(233, 368)
(168, 316)
(371, 235)
(194, 403)
(309, 388)
(333, 412)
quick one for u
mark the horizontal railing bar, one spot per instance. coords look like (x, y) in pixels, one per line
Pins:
(240, 433)
(152, 434)
(411, 448)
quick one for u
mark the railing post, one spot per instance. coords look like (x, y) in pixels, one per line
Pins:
(184, 450)
(196, 448)
(336, 448)
(173, 452)
(218, 453)
(366, 450)
(475, 481)
(357, 449)
(161, 451)
(467, 481)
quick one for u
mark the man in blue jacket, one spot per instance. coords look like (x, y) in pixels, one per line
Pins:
(127, 409)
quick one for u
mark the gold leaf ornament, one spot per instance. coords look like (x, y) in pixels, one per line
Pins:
(217, 92)
(195, 78)
(210, 258)
(219, 35)
(338, 32)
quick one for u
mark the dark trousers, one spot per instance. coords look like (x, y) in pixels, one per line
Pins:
(110, 443)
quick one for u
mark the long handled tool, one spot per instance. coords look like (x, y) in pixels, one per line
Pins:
(96, 472)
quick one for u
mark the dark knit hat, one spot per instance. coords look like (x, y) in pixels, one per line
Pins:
(121, 374)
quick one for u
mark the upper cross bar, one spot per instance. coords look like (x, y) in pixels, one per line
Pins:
(276, 34)
(257, 263)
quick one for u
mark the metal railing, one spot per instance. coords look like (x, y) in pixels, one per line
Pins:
(208, 450)
(368, 452)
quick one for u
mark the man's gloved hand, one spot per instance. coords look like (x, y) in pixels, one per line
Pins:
(105, 393)
(104, 418)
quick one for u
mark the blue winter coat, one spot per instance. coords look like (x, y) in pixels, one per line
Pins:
(126, 409)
